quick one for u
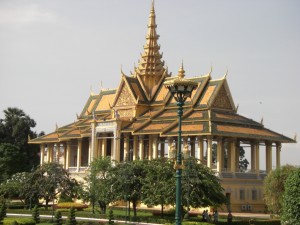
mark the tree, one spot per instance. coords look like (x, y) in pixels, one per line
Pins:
(274, 187)
(200, 186)
(18, 187)
(15, 153)
(9, 157)
(291, 199)
(126, 181)
(159, 183)
(243, 162)
(97, 188)
(51, 179)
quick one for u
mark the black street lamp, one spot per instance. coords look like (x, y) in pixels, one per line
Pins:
(181, 89)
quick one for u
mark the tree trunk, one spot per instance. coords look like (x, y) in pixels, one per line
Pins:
(47, 202)
(134, 207)
(162, 210)
(93, 207)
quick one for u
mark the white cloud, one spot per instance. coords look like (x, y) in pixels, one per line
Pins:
(25, 14)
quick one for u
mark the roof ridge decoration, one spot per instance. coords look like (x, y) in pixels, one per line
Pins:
(151, 71)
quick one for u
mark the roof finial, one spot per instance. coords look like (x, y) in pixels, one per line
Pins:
(91, 90)
(225, 75)
(237, 108)
(295, 137)
(181, 71)
(122, 73)
(262, 121)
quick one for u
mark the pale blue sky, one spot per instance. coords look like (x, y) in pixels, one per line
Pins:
(53, 51)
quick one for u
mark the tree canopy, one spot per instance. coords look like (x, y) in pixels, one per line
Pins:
(274, 187)
(159, 184)
(291, 199)
(200, 186)
(15, 153)
(51, 179)
(126, 181)
(96, 188)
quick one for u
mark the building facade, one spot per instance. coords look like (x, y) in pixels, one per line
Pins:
(138, 120)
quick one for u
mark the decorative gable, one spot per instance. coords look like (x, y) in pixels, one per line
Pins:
(125, 97)
(222, 100)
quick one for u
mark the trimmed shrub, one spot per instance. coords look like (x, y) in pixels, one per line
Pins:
(36, 214)
(71, 217)
(111, 217)
(57, 218)
(68, 205)
(3, 211)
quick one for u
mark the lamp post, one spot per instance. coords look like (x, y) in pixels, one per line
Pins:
(181, 89)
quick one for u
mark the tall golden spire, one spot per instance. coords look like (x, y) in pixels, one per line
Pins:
(150, 70)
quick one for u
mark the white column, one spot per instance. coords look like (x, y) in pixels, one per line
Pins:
(42, 151)
(278, 150)
(50, 151)
(154, 146)
(126, 146)
(92, 147)
(135, 147)
(219, 155)
(268, 156)
(257, 159)
(253, 156)
(209, 152)
(68, 155)
(150, 150)
(104, 147)
(200, 148)
(141, 147)
(79, 146)
(162, 148)
(65, 155)
(237, 154)
(233, 156)
(170, 141)
(193, 147)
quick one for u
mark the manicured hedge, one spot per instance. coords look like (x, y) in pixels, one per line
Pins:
(68, 205)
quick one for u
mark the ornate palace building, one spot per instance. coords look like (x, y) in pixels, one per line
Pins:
(138, 120)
